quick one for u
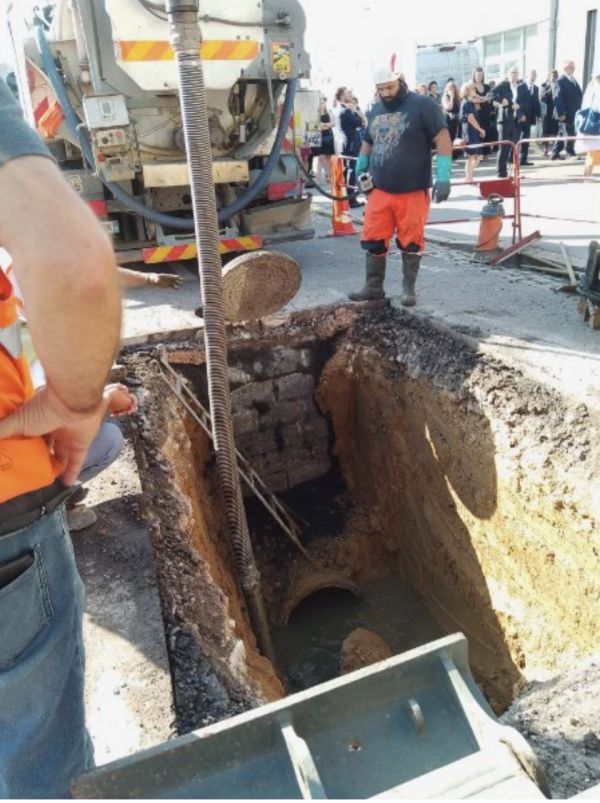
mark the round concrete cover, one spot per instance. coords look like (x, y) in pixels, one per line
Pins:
(258, 284)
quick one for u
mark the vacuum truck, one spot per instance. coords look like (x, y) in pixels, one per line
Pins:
(98, 80)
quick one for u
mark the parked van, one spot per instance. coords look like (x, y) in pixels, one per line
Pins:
(455, 60)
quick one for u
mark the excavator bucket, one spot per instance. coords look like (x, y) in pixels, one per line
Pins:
(412, 726)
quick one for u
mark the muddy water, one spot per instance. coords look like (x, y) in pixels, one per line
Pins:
(308, 649)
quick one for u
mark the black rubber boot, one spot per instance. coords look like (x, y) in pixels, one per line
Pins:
(410, 269)
(373, 289)
(589, 281)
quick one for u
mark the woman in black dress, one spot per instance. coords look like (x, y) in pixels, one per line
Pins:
(472, 130)
(451, 107)
(327, 149)
(485, 109)
(549, 124)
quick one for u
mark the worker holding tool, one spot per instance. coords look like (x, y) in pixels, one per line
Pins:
(65, 266)
(395, 168)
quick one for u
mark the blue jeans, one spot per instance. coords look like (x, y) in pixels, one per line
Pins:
(104, 450)
(44, 745)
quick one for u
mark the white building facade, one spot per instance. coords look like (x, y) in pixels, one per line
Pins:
(548, 33)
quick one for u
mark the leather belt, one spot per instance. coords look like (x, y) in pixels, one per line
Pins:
(24, 510)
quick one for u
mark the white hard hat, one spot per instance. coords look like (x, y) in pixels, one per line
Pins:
(387, 72)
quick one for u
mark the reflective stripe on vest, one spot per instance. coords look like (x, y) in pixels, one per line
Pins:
(10, 339)
(25, 462)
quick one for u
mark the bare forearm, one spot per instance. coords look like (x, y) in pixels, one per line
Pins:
(66, 270)
(472, 120)
(443, 143)
(135, 278)
(131, 278)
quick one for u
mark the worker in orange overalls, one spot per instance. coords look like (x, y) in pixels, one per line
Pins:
(65, 267)
(403, 129)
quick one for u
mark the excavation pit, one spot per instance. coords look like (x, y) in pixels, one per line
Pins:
(462, 492)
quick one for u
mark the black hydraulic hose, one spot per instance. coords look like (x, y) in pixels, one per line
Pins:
(126, 200)
(185, 39)
(317, 186)
(74, 124)
(262, 181)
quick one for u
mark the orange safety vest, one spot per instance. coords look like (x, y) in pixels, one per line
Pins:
(25, 463)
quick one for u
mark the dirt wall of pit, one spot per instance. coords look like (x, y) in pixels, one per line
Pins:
(487, 486)
(217, 670)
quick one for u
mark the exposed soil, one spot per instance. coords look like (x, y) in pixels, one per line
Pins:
(558, 719)
(485, 486)
(214, 659)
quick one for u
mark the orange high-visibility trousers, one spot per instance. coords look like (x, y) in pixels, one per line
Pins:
(404, 214)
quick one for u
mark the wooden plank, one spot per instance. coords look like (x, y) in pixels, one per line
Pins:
(568, 263)
(515, 249)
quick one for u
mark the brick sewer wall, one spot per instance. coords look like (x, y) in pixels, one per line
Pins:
(277, 423)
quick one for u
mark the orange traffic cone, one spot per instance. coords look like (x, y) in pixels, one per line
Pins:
(341, 220)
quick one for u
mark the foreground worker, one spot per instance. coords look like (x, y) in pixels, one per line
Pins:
(118, 401)
(403, 128)
(65, 267)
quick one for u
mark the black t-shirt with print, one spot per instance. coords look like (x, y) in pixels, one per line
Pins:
(401, 136)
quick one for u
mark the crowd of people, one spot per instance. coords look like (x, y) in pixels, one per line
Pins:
(478, 114)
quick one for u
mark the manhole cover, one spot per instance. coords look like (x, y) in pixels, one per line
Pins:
(259, 284)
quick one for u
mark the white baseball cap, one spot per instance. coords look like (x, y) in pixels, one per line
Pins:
(387, 72)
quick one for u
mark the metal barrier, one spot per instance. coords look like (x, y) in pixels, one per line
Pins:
(515, 217)
(517, 176)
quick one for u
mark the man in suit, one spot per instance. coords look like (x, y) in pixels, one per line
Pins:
(513, 99)
(567, 97)
(532, 111)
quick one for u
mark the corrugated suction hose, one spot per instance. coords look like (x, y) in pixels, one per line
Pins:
(186, 40)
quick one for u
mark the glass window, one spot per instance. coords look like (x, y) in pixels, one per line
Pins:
(533, 54)
(493, 45)
(531, 32)
(512, 41)
(492, 71)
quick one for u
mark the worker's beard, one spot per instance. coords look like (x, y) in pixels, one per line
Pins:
(400, 94)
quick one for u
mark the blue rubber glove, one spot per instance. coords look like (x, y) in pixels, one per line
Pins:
(362, 164)
(441, 188)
